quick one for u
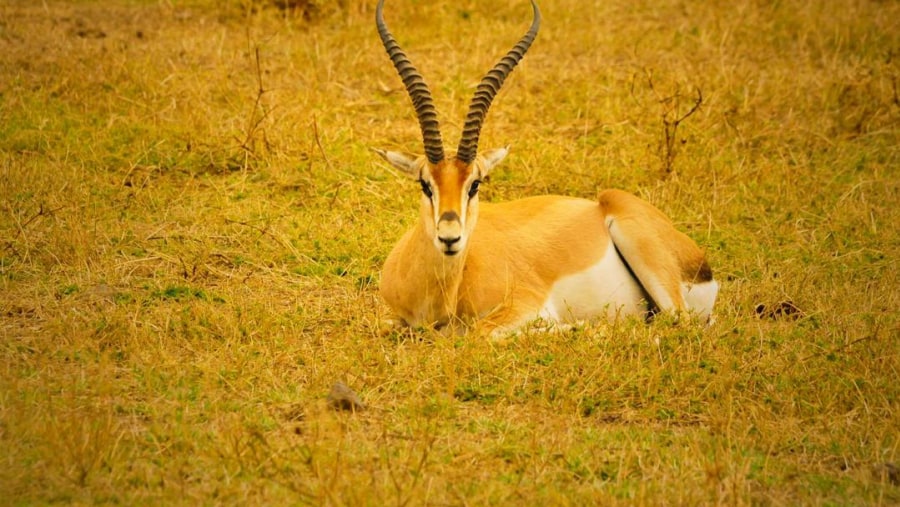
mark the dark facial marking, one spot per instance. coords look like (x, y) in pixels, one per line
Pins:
(426, 188)
(473, 190)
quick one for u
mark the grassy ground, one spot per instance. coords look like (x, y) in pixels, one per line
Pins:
(192, 226)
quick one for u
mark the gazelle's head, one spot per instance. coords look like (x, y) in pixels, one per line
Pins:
(450, 183)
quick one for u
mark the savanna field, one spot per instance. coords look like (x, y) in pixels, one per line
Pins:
(192, 226)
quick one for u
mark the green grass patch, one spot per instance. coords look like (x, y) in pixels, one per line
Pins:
(191, 238)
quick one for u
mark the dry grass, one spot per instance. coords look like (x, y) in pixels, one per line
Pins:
(190, 240)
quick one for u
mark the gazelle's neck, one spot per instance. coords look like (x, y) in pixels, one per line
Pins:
(440, 276)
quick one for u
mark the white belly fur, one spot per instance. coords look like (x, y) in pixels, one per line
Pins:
(606, 288)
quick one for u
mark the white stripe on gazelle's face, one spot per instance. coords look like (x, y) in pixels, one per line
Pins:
(449, 192)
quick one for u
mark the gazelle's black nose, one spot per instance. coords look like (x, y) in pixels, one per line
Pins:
(450, 241)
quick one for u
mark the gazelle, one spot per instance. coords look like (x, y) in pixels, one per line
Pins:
(560, 259)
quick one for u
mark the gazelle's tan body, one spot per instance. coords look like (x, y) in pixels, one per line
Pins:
(552, 258)
(500, 266)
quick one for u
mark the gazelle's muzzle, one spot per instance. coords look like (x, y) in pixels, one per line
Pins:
(449, 234)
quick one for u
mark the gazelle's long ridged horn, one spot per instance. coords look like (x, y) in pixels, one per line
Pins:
(416, 88)
(488, 88)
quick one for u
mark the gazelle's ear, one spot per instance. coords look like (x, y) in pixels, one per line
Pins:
(492, 158)
(408, 163)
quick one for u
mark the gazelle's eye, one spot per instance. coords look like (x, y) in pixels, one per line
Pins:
(426, 188)
(474, 188)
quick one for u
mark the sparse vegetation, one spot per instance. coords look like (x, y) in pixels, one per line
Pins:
(192, 226)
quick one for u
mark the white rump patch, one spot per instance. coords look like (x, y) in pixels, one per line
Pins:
(700, 298)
